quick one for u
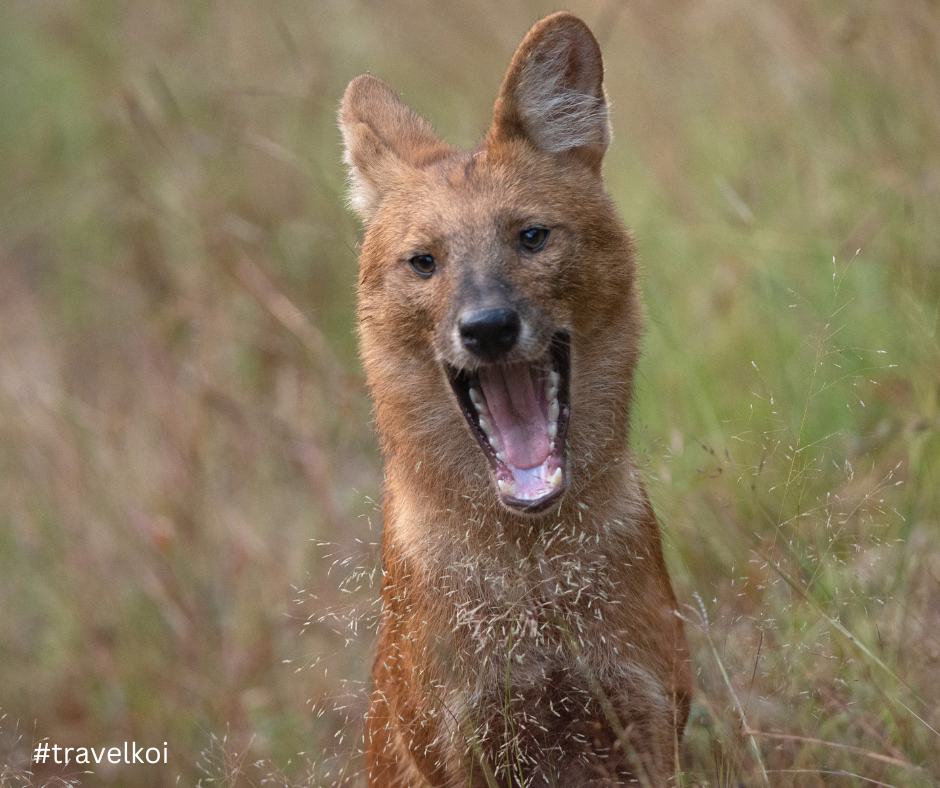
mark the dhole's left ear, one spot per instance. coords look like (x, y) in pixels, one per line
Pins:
(382, 136)
(553, 93)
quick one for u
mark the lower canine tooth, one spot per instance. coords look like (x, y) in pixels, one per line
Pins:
(506, 488)
(555, 480)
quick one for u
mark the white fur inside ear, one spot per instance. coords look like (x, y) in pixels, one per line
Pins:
(363, 196)
(557, 116)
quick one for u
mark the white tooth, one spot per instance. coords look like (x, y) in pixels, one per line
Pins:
(555, 481)
(478, 402)
(494, 442)
(551, 446)
(486, 426)
(552, 429)
(506, 488)
(551, 386)
(501, 456)
(553, 411)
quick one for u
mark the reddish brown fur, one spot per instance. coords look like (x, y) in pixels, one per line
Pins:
(520, 649)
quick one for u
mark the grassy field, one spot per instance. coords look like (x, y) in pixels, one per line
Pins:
(189, 483)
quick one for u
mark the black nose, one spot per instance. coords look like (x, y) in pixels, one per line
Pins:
(489, 333)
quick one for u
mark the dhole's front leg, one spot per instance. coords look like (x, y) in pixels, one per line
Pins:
(413, 734)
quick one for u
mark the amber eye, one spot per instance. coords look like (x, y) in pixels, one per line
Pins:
(423, 265)
(533, 238)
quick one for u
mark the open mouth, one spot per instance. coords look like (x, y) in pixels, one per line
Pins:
(519, 415)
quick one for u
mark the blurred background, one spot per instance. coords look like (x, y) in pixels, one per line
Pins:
(189, 482)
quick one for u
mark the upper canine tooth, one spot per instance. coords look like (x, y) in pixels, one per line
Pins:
(551, 386)
(478, 402)
(555, 479)
(553, 411)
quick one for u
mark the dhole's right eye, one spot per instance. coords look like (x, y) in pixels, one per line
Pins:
(423, 265)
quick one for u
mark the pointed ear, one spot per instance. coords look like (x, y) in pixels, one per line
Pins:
(381, 135)
(553, 93)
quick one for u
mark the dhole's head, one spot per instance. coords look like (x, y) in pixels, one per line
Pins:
(497, 310)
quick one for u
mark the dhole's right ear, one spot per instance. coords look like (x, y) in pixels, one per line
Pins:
(382, 135)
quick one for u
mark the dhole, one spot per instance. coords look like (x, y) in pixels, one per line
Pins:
(528, 632)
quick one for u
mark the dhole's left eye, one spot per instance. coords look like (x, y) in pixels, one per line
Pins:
(423, 265)
(533, 238)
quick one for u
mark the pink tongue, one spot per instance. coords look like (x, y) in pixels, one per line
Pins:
(515, 412)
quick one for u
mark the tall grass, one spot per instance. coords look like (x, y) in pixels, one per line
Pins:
(182, 418)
